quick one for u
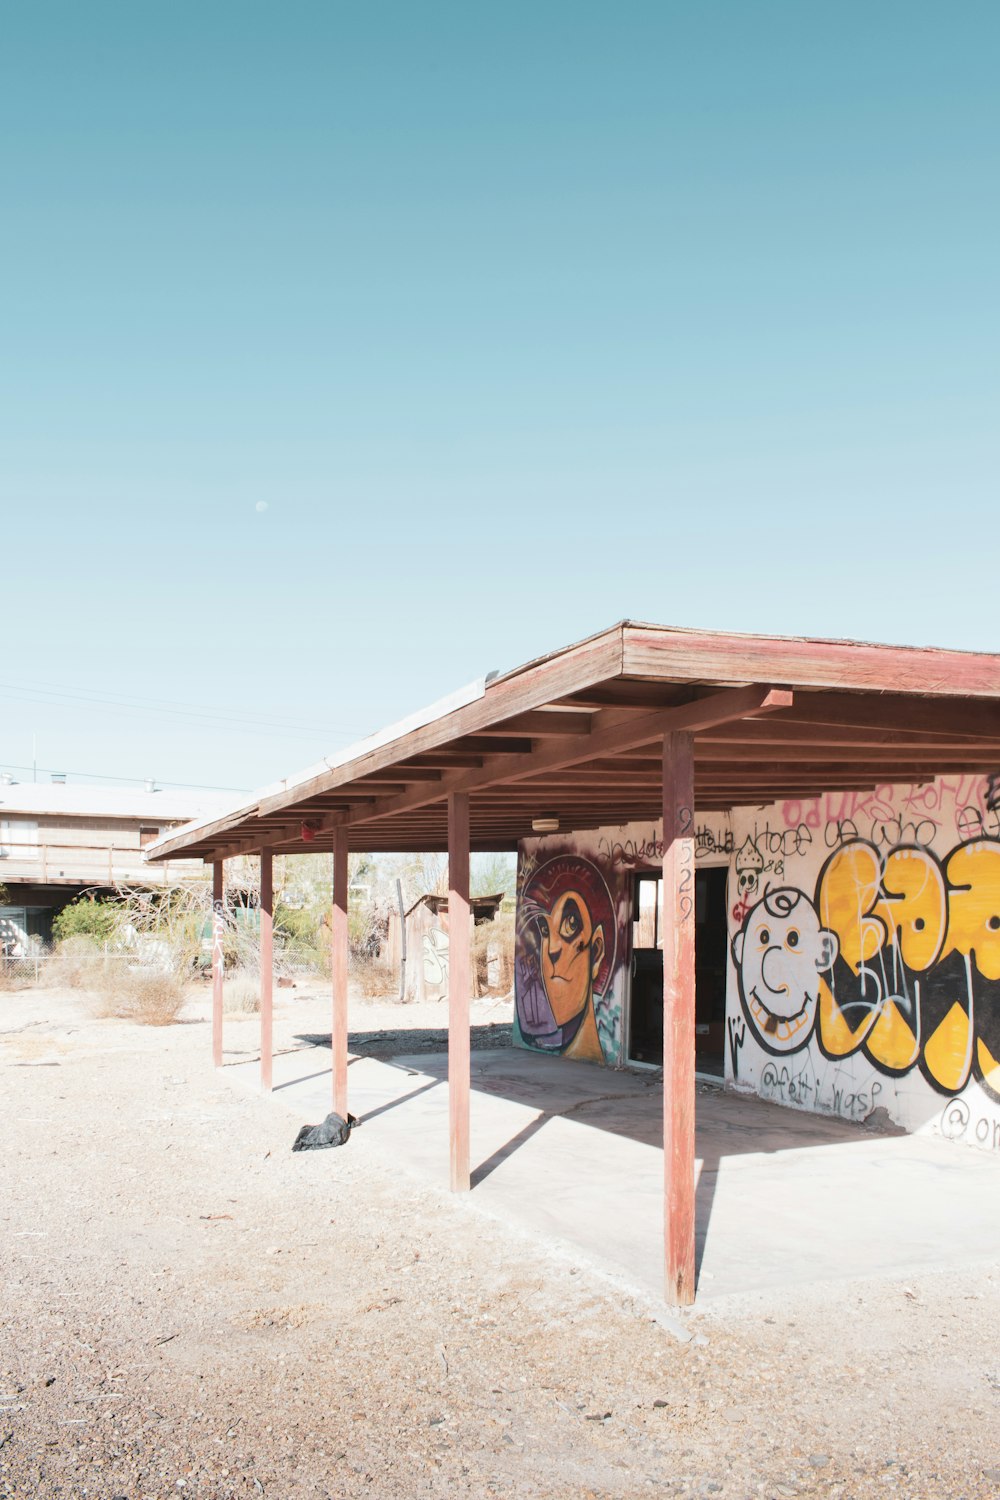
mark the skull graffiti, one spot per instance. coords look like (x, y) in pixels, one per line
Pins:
(749, 864)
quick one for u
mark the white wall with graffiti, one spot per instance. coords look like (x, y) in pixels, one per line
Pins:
(864, 950)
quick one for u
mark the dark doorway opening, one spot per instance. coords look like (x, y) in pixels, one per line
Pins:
(645, 1043)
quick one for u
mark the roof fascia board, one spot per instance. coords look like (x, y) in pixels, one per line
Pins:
(555, 676)
(614, 634)
(697, 656)
(287, 789)
(196, 832)
(486, 703)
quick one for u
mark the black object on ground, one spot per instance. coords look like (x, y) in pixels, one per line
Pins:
(334, 1131)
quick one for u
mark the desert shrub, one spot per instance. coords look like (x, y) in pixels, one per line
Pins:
(300, 923)
(150, 997)
(175, 923)
(87, 918)
(75, 963)
(241, 994)
(372, 976)
(367, 928)
(493, 955)
(294, 957)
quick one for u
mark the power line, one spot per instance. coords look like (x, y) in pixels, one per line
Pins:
(190, 786)
(117, 697)
(57, 697)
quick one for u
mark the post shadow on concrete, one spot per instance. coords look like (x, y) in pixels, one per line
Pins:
(620, 1102)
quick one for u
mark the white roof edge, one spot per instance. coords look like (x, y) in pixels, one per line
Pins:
(423, 716)
(461, 698)
(125, 803)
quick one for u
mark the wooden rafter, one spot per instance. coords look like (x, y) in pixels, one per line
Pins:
(574, 730)
(700, 713)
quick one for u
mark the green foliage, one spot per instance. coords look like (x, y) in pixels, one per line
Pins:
(491, 874)
(299, 922)
(87, 918)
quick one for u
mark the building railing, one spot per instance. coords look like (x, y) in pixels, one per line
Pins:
(103, 864)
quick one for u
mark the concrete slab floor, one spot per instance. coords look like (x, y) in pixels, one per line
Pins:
(572, 1153)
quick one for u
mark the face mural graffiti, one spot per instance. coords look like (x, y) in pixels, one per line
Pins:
(781, 952)
(566, 943)
(897, 957)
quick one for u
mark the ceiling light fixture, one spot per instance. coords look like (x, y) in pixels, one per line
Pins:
(547, 824)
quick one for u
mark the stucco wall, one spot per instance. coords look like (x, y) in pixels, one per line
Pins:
(864, 954)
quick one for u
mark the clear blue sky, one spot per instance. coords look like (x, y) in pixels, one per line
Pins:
(518, 319)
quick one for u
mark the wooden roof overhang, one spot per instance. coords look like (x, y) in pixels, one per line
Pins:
(577, 735)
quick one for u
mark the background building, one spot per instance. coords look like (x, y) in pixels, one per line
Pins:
(58, 840)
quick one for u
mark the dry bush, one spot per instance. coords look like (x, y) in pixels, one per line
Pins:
(493, 955)
(373, 977)
(241, 994)
(78, 962)
(150, 997)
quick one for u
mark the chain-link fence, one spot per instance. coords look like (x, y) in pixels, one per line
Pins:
(77, 960)
(18, 973)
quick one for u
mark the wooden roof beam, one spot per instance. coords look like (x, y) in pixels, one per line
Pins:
(779, 770)
(402, 773)
(440, 760)
(624, 693)
(779, 730)
(715, 708)
(488, 743)
(541, 724)
(892, 714)
(708, 751)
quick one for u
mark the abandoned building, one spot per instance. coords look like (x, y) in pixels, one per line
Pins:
(417, 945)
(59, 839)
(775, 861)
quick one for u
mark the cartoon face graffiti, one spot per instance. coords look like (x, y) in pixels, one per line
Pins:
(780, 953)
(566, 946)
(572, 951)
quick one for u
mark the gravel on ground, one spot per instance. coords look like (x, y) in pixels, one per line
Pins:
(189, 1309)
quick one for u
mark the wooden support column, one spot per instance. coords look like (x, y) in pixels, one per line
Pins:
(218, 958)
(459, 976)
(678, 1017)
(266, 967)
(339, 948)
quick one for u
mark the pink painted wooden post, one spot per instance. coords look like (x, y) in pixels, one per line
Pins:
(266, 967)
(459, 975)
(218, 959)
(678, 1018)
(338, 1032)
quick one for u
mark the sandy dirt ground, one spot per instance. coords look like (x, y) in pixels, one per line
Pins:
(190, 1309)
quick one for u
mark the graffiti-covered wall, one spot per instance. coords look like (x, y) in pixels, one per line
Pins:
(570, 951)
(866, 956)
(573, 933)
(864, 952)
